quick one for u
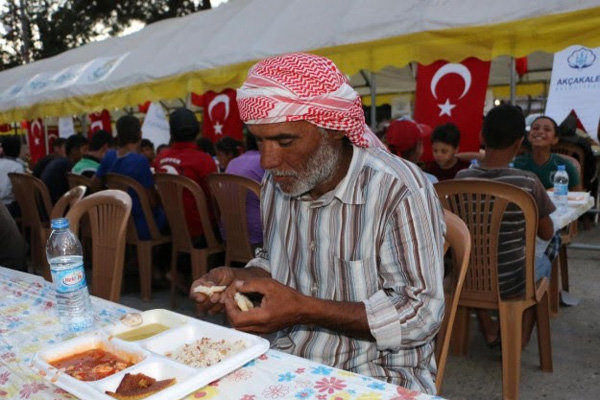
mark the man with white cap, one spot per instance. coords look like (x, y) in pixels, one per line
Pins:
(350, 273)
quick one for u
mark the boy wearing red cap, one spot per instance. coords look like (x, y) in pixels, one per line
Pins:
(404, 138)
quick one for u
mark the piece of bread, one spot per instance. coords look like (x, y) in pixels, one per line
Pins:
(139, 386)
(243, 302)
(209, 290)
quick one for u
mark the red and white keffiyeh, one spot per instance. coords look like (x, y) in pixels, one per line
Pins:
(304, 87)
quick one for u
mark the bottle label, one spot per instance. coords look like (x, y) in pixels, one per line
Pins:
(560, 189)
(69, 280)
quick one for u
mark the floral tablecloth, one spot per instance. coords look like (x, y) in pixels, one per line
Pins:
(28, 323)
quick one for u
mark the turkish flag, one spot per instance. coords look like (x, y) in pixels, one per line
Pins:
(52, 133)
(452, 92)
(221, 116)
(143, 108)
(99, 121)
(36, 136)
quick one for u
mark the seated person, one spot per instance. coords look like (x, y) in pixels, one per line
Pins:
(404, 138)
(13, 249)
(11, 146)
(444, 145)
(351, 268)
(541, 161)
(183, 157)
(147, 150)
(227, 149)
(502, 133)
(58, 150)
(99, 144)
(55, 173)
(127, 161)
(248, 165)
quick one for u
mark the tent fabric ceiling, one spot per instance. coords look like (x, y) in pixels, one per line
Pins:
(213, 49)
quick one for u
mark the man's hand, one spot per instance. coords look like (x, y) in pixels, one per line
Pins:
(221, 276)
(280, 307)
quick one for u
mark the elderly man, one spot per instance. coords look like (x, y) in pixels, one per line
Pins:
(350, 273)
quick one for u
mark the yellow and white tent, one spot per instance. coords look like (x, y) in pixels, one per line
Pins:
(214, 49)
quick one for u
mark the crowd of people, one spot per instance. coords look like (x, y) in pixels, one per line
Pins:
(348, 230)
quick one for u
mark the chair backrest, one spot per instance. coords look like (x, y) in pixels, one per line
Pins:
(130, 185)
(481, 204)
(575, 163)
(572, 150)
(231, 191)
(108, 212)
(67, 201)
(458, 239)
(171, 188)
(77, 180)
(33, 198)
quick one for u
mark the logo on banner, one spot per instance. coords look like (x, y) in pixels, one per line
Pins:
(575, 85)
(581, 58)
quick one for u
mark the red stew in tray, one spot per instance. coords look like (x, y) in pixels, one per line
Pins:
(91, 365)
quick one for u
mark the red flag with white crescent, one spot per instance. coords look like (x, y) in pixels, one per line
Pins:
(99, 121)
(36, 136)
(452, 92)
(221, 116)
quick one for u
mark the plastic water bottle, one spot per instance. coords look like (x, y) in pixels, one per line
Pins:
(474, 163)
(561, 187)
(65, 257)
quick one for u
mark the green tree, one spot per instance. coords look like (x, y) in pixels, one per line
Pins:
(54, 26)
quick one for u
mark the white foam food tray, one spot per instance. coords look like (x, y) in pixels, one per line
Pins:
(149, 357)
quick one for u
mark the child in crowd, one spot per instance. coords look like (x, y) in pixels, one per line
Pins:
(404, 138)
(147, 150)
(444, 144)
(227, 149)
(503, 132)
(541, 161)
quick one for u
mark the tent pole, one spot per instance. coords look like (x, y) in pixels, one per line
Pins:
(513, 82)
(47, 142)
(373, 105)
(370, 81)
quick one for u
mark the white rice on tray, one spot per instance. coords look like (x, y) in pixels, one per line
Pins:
(205, 352)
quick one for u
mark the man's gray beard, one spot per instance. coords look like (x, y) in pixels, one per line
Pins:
(318, 168)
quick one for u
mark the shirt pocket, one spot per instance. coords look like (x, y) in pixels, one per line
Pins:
(353, 280)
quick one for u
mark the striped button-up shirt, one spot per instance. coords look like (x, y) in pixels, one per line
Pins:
(377, 239)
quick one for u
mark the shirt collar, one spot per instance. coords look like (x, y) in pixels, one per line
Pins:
(349, 189)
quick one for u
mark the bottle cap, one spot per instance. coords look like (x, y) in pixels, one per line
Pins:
(59, 223)
(561, 167)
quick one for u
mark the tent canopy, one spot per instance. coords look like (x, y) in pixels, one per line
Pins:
(213, 49)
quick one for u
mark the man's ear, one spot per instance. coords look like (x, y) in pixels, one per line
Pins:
(337, 135)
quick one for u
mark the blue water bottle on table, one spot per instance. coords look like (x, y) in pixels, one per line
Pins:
(561, 188)
(65, 257)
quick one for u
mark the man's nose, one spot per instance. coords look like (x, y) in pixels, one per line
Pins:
(270, 155)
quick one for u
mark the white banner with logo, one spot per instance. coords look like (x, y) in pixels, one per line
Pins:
(575, 85)
(65, 127)
(156, 127)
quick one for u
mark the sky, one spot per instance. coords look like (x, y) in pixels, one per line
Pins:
(136, 26)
